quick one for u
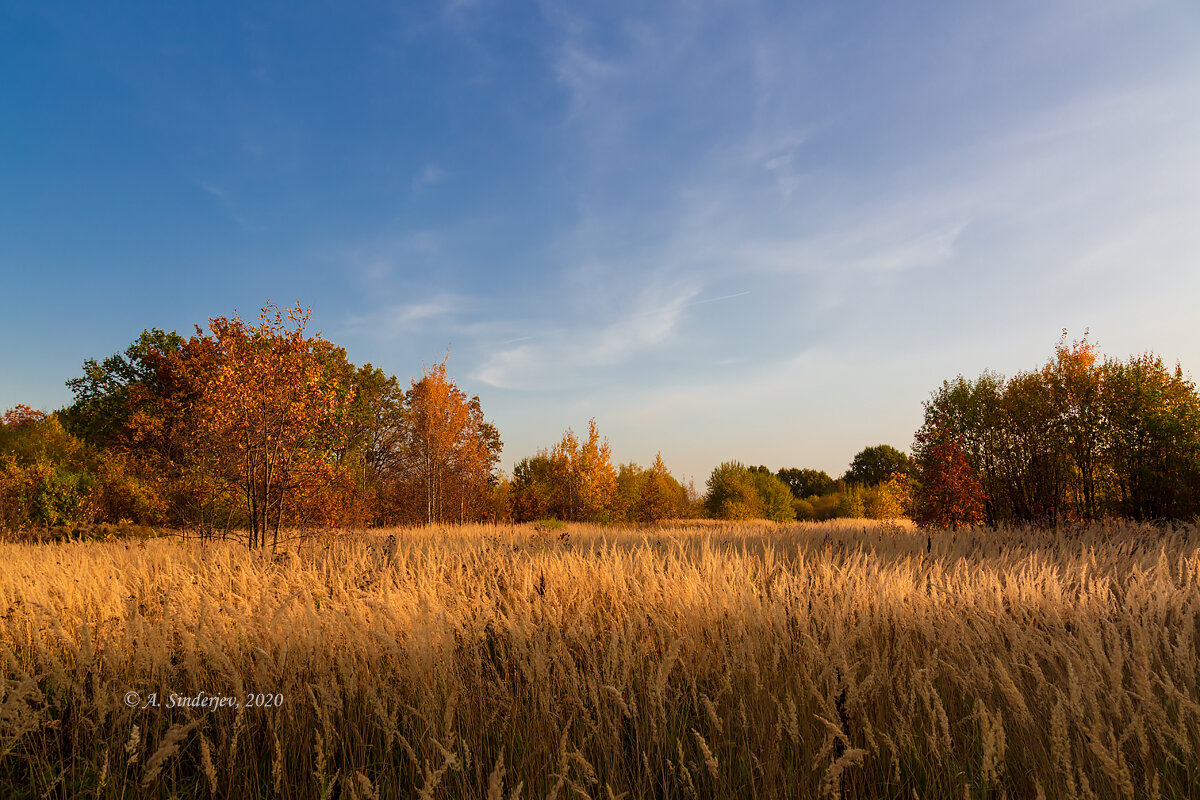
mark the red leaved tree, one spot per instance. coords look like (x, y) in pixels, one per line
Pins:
(21, 415)
(948, 492)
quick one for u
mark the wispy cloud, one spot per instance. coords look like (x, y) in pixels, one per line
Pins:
(397, 320)
(381, 266)
(577, 355)
(226, 201)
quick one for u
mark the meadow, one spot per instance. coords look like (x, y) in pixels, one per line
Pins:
(845, 659)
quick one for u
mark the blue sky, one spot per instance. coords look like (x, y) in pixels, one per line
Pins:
(745, 231)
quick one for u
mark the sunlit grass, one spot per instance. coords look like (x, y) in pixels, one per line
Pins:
(696, 660)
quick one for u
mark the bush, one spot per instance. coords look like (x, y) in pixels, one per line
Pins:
(731, 492)
(851, 503)
(550, 525)
(803, 510)
(825, 506)
(774, 498)
(738, 493)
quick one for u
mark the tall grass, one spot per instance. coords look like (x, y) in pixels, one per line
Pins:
(700, 661)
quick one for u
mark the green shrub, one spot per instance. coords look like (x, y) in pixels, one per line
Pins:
(851, 503)
(803, 510)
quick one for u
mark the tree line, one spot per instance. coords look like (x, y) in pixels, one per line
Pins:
(261, 427)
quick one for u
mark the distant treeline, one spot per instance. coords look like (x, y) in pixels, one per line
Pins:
(261, 427)
(877, 486)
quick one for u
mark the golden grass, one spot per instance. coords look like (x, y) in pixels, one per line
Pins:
(747, 660)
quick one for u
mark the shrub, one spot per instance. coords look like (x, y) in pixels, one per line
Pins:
(803, 509)
(850, 504)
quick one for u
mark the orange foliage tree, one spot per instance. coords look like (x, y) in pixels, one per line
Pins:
(597, 476)
(449, 450)
(1074, 378)
(269, 413)
(661, 496)
(584, 478)
(162, 438)
(22, 415)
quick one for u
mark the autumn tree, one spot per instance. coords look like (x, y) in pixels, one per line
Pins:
(45, 473)
(20, 416)
(893, 499)
(138, 409)
(583, 478)
(565, 477)
(948, 493)
(659, 495)
(631, 480)
(597, 477)
(449, 449)
(971, 412)
(1074, 378)
(268, 412)
(1009, 433)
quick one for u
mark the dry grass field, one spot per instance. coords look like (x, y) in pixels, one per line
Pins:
(706, 660)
